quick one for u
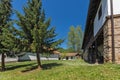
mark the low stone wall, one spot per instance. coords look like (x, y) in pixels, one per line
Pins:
(8, 59)
(108, 40)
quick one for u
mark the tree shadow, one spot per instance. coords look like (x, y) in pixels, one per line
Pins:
(50, 65)
(11, 67)
(44, 67)
(30, 68)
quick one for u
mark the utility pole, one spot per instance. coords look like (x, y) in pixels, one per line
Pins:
(112, 31)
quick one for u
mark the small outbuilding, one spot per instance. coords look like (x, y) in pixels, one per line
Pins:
(69, 56)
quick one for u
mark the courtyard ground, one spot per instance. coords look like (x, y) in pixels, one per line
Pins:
(61, 70)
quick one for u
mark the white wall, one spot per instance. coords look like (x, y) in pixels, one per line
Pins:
(106, 10)
(99, 22)
(116, 7)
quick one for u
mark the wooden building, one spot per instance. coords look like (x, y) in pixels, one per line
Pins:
(102, 32)
(69, 56)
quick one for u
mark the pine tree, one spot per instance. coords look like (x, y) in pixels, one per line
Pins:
(5, 13)
(36, 29)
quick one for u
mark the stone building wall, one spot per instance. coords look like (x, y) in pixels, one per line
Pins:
(108, 40)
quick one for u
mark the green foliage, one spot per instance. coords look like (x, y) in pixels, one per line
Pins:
(5, 11)
(9, 40)
(65, 51)
(75, 37)
(62, 50)
(6, 40)
(6, 36)
(36, 28)
(71, 38)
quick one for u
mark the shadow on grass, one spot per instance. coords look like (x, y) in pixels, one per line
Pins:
(44, 67)
(11, 67)
(30, 68)
(50, 65)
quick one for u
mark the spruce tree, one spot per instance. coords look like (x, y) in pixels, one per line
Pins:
(36, 29)
(5, 13)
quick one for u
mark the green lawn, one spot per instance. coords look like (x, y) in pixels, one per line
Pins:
(61, 70)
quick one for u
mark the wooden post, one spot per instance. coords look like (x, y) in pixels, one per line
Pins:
(112, 30)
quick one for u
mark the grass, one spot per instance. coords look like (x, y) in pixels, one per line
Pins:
(61, 70)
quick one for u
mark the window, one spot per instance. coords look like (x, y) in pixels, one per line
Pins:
(100, 12)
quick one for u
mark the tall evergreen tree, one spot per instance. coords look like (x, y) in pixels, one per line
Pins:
(5, 13)
(75, 37)
(36, 29)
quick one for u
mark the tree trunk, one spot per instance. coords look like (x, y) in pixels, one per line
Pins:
(38, 60)
(3, 62)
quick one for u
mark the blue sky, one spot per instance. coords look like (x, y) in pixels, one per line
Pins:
(63, 14)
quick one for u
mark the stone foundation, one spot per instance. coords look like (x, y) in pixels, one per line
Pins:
(108, 41)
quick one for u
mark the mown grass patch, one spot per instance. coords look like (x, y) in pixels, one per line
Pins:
(61, 70)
